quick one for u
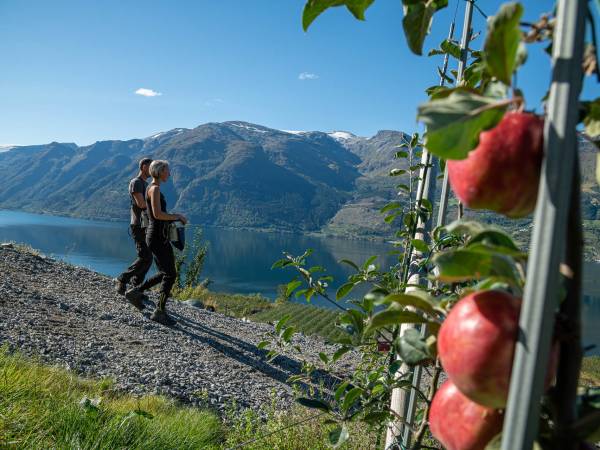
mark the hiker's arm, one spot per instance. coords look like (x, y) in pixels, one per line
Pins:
(138, 197)
(157, 211)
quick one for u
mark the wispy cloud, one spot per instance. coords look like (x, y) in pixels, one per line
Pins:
(147, 92)
(308, 76)
(213, 102)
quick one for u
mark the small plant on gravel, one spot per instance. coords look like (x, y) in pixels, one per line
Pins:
(190, 262)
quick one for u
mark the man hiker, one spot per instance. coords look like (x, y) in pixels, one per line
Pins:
(136, 272)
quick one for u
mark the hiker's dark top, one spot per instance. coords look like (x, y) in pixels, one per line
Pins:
(136, 185)
(156, 225)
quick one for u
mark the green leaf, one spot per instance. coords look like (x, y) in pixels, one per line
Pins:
(314, 8)
(427, 205)
(591, 119)
(473, 74)
(280, 324)
(465, 264)
(339, 353)
(417, 21)
(263, 344)
(281, 263)
(416, 299)
(338, 436)
(502, 42)
(288, 333)
(420, 245)
(344, 290)
(397, 172)
(323, 357)
(376, 417)
(451, 48)
(455, 122)
(416, 24)
(395, 366)
(291, 286)
(434, 90)
(412, 348)
(350, 263)
(465, 227)
(376, 295)
(351, 397)
(314, 403)
(390, 207)
(392, 317)
(494, 237)
(340, 390)
(370, 260)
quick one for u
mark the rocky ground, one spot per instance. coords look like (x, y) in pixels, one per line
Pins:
(72, 317)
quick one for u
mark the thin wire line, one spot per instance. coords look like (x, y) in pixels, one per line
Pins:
(455, 11)
(485, 16)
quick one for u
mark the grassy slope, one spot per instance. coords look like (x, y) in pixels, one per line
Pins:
(40, 408)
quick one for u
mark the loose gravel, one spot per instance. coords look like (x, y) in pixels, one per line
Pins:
(72, 317)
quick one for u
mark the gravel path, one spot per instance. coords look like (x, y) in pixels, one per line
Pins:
(72, 317)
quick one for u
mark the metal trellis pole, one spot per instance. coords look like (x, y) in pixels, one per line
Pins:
(464, 54)
(549, 231)
(401, 403)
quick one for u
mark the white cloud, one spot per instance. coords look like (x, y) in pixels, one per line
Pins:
(308, 76)
(147, 92)
(213, 102)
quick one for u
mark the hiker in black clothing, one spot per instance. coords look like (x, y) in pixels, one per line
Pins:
(157, 238)
(136, 272)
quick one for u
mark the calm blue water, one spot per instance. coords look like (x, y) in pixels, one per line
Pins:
(238, 261)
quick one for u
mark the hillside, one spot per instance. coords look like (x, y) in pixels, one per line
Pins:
(240, 175)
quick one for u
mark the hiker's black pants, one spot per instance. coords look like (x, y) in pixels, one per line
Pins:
(165, 263)
(137, 271)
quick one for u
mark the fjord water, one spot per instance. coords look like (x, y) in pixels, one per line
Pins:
(239, 261)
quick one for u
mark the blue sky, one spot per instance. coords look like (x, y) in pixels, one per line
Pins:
(70, 69)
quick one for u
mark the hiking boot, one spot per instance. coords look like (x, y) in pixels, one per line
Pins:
(134, 296)
(161, 316)
(120, 286)
(142, 296)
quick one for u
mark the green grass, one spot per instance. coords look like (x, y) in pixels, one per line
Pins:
(40, 408)
(590, 371)
(296, 429)
(308, 319)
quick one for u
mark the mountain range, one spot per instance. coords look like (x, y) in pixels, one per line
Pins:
(233, 174)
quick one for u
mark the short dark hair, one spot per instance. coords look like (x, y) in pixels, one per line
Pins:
(145, 161)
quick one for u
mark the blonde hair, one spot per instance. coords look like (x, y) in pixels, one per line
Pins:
(156, 167)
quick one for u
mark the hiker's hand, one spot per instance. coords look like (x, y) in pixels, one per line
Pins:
(182, 218)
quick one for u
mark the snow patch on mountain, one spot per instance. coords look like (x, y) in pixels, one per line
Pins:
(342, 135)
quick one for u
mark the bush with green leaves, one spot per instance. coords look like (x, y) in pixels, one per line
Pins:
(451, 261)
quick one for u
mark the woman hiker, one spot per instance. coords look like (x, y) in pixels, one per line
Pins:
(157, 238)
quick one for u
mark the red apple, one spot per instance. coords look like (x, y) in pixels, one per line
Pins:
(459, 423)
(503, 172)
(476, 344)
